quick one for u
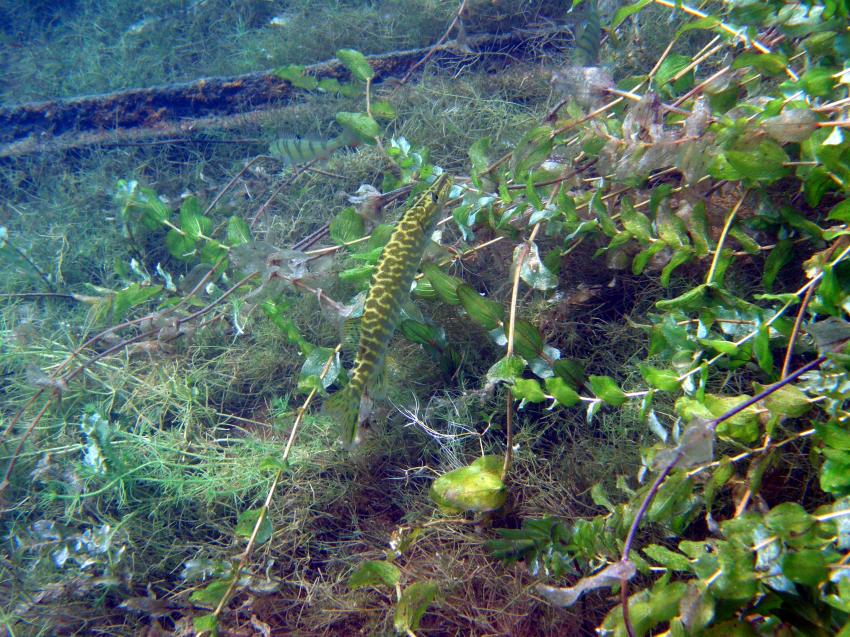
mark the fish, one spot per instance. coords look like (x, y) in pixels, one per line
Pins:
(587, 42)
(390, 285)
(294, 150)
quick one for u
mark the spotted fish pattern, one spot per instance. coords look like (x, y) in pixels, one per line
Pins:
(390, 287)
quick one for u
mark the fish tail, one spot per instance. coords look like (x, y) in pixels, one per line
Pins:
(344, 408)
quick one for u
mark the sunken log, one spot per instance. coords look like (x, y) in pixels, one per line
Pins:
(227, 102)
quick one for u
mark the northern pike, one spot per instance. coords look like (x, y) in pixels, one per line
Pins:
(390, 287)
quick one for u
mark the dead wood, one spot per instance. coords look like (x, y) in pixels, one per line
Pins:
(217, 102)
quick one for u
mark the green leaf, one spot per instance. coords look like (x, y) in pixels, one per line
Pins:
(364, 127)
(383, 110)
(693, 299)
(179, 245)
(528, 389)
(212, 594)
(422, 334)
(606, 389)
(767, 63)
(505, 370)
(533, 270)
(528, 342)
(761, 348)
(444, 284)
(669, 67)
(133, 295)
(663, 379)
(238, 232)
(294, 74)
(807, 567)
(532, 150)
(626, 12)
(766, 163)
(487, 313)
(818, 82)
(192, 222)
(667, 558)
(635, 222)
(788, 400)
(840, 212)
(476, 487)
(414, 601)
(478, 155)
(247, 521)
(789, 519)
(206, 623)
(357, 63)
(330, 85)
(562, 392)
(780, 256)
(374, 573)
(346, 226)
(680, 257)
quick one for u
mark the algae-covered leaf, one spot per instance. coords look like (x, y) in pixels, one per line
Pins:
(411, 606)
(357, 63)
(361, 124)
(238, 232)
(486, 312)
(374, 573)
(667, 558)
(477, 487)
(606, 389)
(346, 226)
(247, 521)
(533, 271)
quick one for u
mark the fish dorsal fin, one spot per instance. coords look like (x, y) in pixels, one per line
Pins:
(377, 387)
(350, 336)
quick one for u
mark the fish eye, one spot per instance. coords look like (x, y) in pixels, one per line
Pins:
(434, 197)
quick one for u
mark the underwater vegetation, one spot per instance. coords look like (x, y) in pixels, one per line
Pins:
(544, 345)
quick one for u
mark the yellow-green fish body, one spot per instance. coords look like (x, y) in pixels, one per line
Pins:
(390, 286)
(300, 151)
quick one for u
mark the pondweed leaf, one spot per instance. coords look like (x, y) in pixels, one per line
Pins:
(486, 312)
